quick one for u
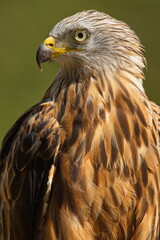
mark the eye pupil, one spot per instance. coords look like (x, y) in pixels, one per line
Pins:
(80, 35)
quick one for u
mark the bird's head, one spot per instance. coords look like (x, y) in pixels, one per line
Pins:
(91, 39)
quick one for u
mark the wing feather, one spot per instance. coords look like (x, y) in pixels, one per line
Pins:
(27, 163)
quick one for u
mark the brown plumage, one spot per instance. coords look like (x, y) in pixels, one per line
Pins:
(84, 162)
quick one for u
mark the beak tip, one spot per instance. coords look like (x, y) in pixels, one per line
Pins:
(38, 58)
(40, 66)
(43, 54)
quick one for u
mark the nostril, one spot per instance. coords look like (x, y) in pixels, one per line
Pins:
(50, 44)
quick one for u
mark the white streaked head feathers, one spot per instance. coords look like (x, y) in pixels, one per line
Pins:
(111, 45)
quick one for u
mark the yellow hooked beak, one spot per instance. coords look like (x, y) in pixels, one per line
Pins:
(48, 50)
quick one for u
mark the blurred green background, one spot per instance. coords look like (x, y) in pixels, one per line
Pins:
(24, 25)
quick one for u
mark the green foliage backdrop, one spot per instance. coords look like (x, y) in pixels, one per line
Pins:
(24, 25)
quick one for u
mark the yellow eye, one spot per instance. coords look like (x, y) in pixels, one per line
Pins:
(80, 35)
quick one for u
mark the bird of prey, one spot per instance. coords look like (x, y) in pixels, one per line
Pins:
(83, 163)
